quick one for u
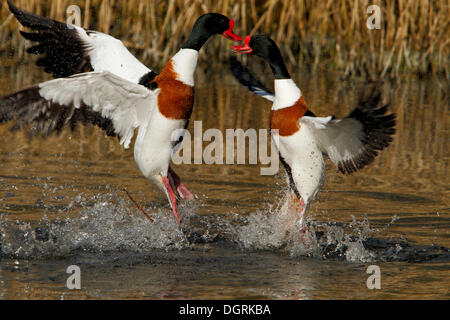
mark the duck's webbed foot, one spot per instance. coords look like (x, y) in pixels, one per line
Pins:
(171, 197)
(182, 190)
(291, 214)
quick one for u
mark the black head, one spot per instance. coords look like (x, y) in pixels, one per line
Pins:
(207, 25)
(266, 48)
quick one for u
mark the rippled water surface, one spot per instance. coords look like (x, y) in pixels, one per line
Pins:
(62, 204)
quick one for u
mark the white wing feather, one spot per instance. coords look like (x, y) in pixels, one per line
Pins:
(340, 140)
(126, 104)
(107, 53)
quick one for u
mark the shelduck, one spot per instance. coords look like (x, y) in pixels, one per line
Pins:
(101, 82)
(350, 143)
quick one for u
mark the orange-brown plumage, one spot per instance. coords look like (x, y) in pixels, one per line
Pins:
(175, 100)
(286, 119)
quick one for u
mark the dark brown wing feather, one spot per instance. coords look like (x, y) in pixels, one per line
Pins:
(27, 107)
(63, 52)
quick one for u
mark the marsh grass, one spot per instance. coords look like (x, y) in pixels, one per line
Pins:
(328, 34)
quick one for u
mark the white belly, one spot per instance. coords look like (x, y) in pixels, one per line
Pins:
(301, 153)
(153, 147)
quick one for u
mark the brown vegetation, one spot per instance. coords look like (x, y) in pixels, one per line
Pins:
(330, 34)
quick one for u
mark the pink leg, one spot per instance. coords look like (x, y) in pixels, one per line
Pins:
(181, 188)
(297, 205)
(172, 198)
(301, 211)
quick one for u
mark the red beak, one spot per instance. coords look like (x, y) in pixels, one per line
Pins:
(244, 48)
(229, 34)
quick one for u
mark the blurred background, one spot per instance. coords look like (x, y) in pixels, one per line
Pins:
(331, 34)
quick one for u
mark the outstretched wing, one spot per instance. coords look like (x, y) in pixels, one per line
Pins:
(68, 49)
(248, 80)
(353, 142)
(116, 105)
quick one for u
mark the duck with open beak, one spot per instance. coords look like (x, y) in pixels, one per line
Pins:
(229, 34)
(351, 143)
(243, 48)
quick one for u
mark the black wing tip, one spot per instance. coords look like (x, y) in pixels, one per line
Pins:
(243, 74)
(146, 80)
(378, 127)
(21, 15)
(11, 105)
(63, 52)
(29, 110)
(246, 78)
(12, 7)
(362, 160)
(33, 21)
(240, 72)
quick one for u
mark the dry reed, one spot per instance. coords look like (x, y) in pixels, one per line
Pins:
(329, 34)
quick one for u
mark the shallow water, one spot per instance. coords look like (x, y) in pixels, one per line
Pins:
(62, 204)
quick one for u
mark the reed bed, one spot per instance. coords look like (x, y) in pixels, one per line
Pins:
(328, 34)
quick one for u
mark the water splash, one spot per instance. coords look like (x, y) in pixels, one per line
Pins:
(353, 242)
(269, 231)
(278, 228)
(109, 225)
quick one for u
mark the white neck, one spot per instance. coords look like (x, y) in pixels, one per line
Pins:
(184, 64)
(286, 93)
